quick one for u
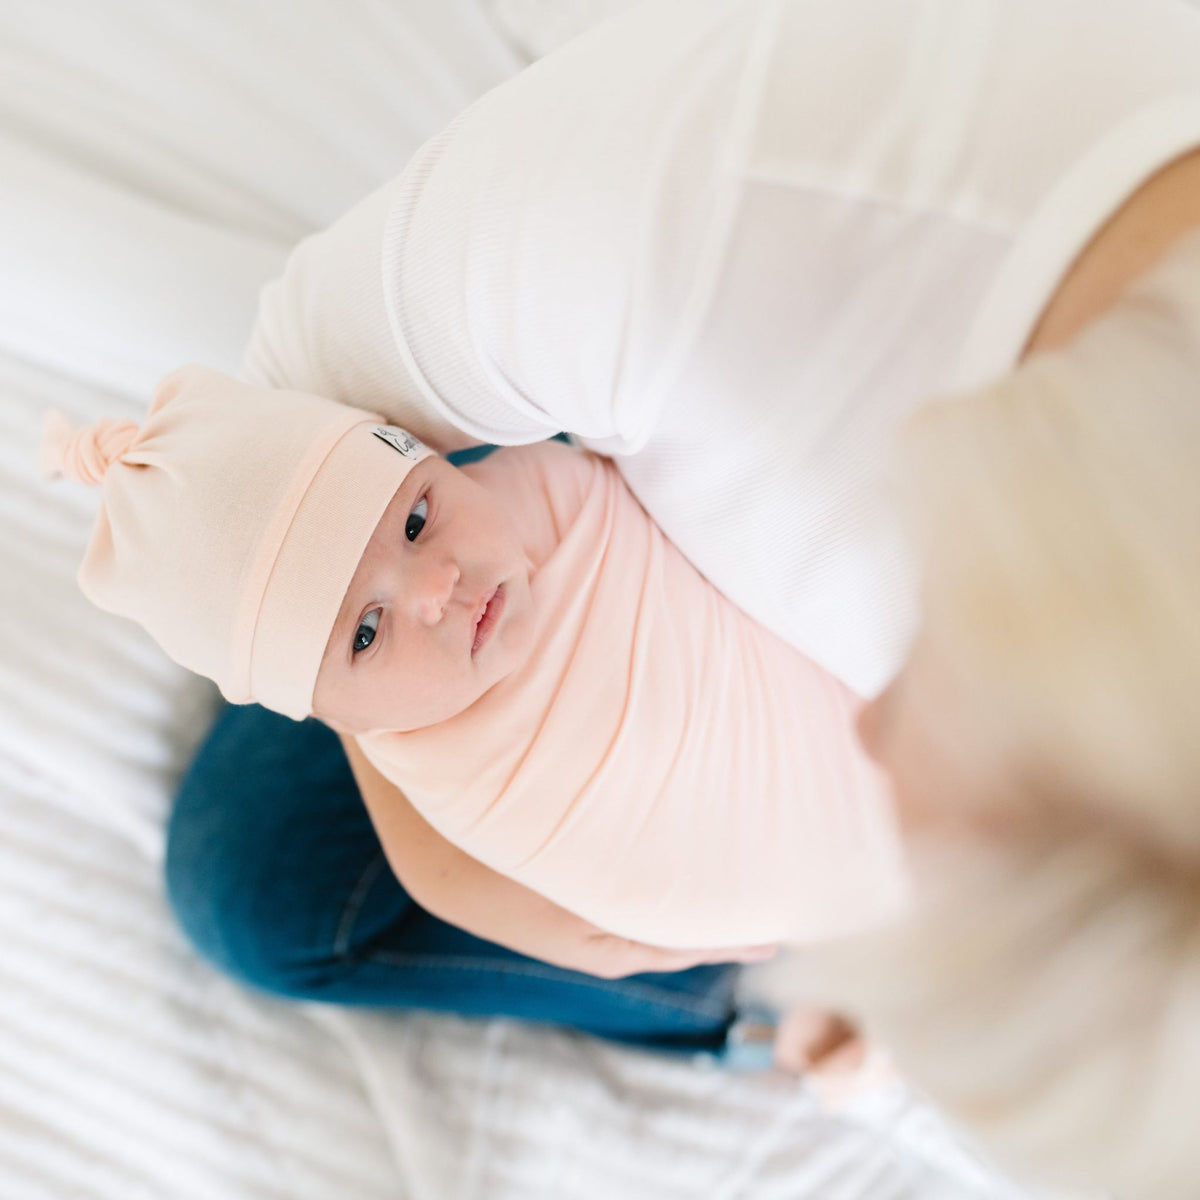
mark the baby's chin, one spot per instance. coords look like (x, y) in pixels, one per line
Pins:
(385, 721)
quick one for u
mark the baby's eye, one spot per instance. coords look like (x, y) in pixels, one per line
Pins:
(364, 625)
(416, 520)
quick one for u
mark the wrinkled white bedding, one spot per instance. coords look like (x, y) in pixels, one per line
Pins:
(156, 162)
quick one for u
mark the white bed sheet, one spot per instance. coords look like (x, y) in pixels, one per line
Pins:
(156, 162)
(130, 1069)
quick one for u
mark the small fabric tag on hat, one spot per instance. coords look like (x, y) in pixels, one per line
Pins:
(399, 439)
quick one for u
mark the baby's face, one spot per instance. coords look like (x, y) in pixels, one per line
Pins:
(438, 612)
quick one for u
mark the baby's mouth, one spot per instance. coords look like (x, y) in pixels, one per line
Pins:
(486, 623)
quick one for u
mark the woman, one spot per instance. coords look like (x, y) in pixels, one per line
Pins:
(1042, 745)
(733, 244)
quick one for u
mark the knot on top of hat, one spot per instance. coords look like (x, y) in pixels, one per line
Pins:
(82, 454)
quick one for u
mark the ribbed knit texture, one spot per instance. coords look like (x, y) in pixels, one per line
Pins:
(741, 266)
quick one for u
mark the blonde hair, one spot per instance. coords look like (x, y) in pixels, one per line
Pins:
(1047, 990)
(1057, 514)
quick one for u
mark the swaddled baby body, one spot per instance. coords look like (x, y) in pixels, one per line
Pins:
(516, 646)
(562, 695)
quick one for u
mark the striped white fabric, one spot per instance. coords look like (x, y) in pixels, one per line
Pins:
(129, 1068)
(502, 1111)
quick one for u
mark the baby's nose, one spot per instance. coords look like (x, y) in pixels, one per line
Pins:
(437, 588)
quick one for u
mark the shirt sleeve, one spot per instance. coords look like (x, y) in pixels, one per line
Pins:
(543, 252)
(322, 327)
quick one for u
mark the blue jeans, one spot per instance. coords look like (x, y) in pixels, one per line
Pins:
(274, 870)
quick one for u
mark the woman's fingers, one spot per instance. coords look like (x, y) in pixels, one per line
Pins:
(742, 954)
(656, 958)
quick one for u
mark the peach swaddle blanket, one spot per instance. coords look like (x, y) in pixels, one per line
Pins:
(662, 765)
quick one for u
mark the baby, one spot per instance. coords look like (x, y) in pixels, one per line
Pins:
(513, 643)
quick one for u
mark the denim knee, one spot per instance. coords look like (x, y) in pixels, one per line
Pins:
(214, 908)
(218, 881)
(230, 922)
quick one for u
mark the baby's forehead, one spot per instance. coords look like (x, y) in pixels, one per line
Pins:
(357, 581)
(393, 516)
(404, 497)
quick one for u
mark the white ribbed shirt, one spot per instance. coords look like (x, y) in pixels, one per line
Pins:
(732, 243)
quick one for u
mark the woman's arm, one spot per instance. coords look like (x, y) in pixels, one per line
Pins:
(486, 294)
(322, 327)
(462, 891)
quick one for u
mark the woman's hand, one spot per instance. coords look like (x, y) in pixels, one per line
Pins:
(560, 937)
(611, 957)
(461, 891)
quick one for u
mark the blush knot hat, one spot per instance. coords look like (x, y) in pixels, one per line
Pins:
(231, 523)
